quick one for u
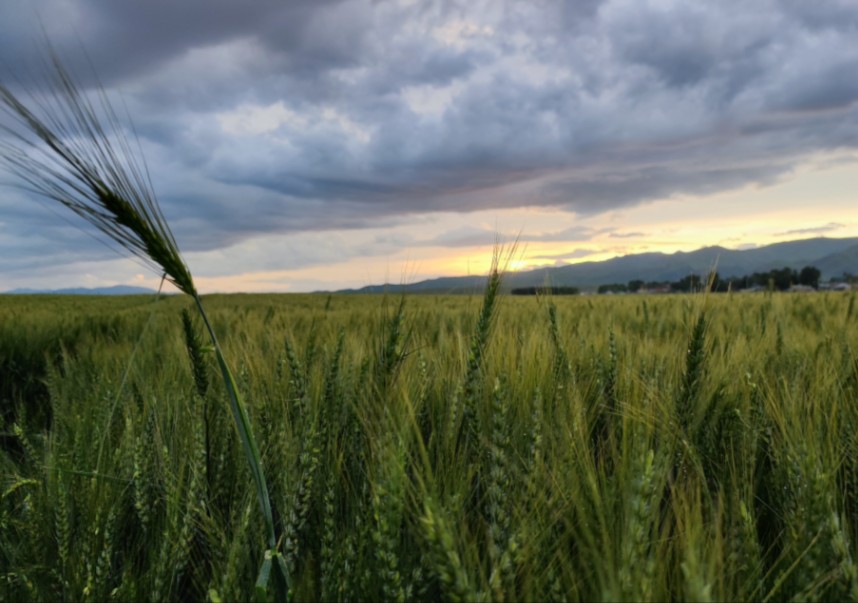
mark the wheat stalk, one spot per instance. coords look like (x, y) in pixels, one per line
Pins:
(72, 151)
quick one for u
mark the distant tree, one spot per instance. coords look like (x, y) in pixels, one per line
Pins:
(635, 286)
(810, 276)
(692, 282)
(783, 279)
(565, 290)
(774, 280)
(612, 288)
(656, 284)
(760, 279)
(729, 284)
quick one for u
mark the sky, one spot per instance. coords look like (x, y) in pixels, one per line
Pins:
(300, 145)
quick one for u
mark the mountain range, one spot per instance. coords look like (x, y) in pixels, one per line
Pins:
(832, 257)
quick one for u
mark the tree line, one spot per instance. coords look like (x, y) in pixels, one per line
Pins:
(779, 279)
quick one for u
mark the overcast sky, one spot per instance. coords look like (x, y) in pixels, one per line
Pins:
(301, 145)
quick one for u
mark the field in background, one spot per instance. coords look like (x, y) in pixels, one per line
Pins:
(457, 448)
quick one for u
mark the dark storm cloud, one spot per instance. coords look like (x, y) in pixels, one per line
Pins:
(271, 116)
(127, 39)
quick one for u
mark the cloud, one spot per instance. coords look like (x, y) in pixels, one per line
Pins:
(569, 255)
(831, 226)
(464, 236)
(481, 236)
(273, 117)
(627, 235)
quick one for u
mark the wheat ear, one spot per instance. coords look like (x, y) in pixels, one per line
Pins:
(72, 150)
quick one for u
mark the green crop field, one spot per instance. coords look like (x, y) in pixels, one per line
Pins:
(461, 448)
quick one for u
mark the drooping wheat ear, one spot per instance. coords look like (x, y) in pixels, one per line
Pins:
(73, 151)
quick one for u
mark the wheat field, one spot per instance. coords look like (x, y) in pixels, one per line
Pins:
(462, 448)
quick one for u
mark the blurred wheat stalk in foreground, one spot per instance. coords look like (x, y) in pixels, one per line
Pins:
(72, 150)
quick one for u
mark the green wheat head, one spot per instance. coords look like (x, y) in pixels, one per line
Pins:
(72, 151)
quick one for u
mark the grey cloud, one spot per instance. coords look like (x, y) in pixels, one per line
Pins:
(125, 39)
(35, 235)
(464, 236)
(590, 193)
(47, 247)
(833, 87)
(571, 234)
(824, 15)
(681, 46)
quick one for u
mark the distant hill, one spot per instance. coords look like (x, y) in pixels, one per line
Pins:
(115, 290)
(833, 257)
